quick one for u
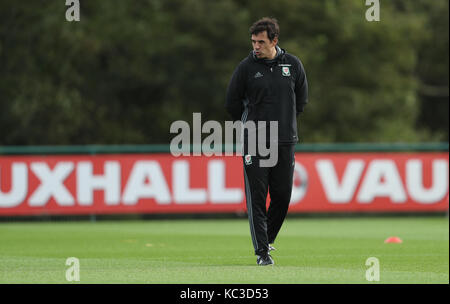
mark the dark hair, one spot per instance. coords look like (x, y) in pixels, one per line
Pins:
(266, 24)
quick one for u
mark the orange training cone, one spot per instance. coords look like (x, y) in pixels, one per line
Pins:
(393, 239)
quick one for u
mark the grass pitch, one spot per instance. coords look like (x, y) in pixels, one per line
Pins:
(220, 251)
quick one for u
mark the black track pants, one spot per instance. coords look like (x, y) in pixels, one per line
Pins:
(277, 181)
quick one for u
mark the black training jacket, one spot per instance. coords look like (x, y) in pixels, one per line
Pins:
(275, 90)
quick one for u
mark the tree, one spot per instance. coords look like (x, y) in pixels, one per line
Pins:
(127, 70)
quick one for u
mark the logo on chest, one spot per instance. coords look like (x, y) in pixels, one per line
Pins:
(285, 71)
(248, 159)
(258, 75)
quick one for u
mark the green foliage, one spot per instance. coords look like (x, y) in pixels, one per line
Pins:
(127, 70)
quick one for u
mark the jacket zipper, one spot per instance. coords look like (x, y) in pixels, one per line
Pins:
(271, 81)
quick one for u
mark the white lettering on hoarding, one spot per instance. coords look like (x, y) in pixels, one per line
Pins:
(218, 193)
(340, 193)
(87, 182)
(414, 181)
(19, 187)
(137, 188)
(52, 184)
(300, 184)
(182, 193)
(147, 181)
(382, 179)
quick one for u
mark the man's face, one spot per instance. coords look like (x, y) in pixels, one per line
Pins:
(262, 46)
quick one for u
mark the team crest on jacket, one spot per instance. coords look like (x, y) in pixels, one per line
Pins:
(248, 159)
(285, 70)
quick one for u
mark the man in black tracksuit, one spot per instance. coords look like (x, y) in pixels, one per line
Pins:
(268, 85)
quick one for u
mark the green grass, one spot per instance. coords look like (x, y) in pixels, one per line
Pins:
(220, 251)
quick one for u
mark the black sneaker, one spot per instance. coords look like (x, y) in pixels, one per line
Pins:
(264, 260)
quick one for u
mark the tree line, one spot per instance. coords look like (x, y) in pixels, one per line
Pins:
(128, 69)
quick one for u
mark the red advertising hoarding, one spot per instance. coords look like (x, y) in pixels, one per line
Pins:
(161, 183)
